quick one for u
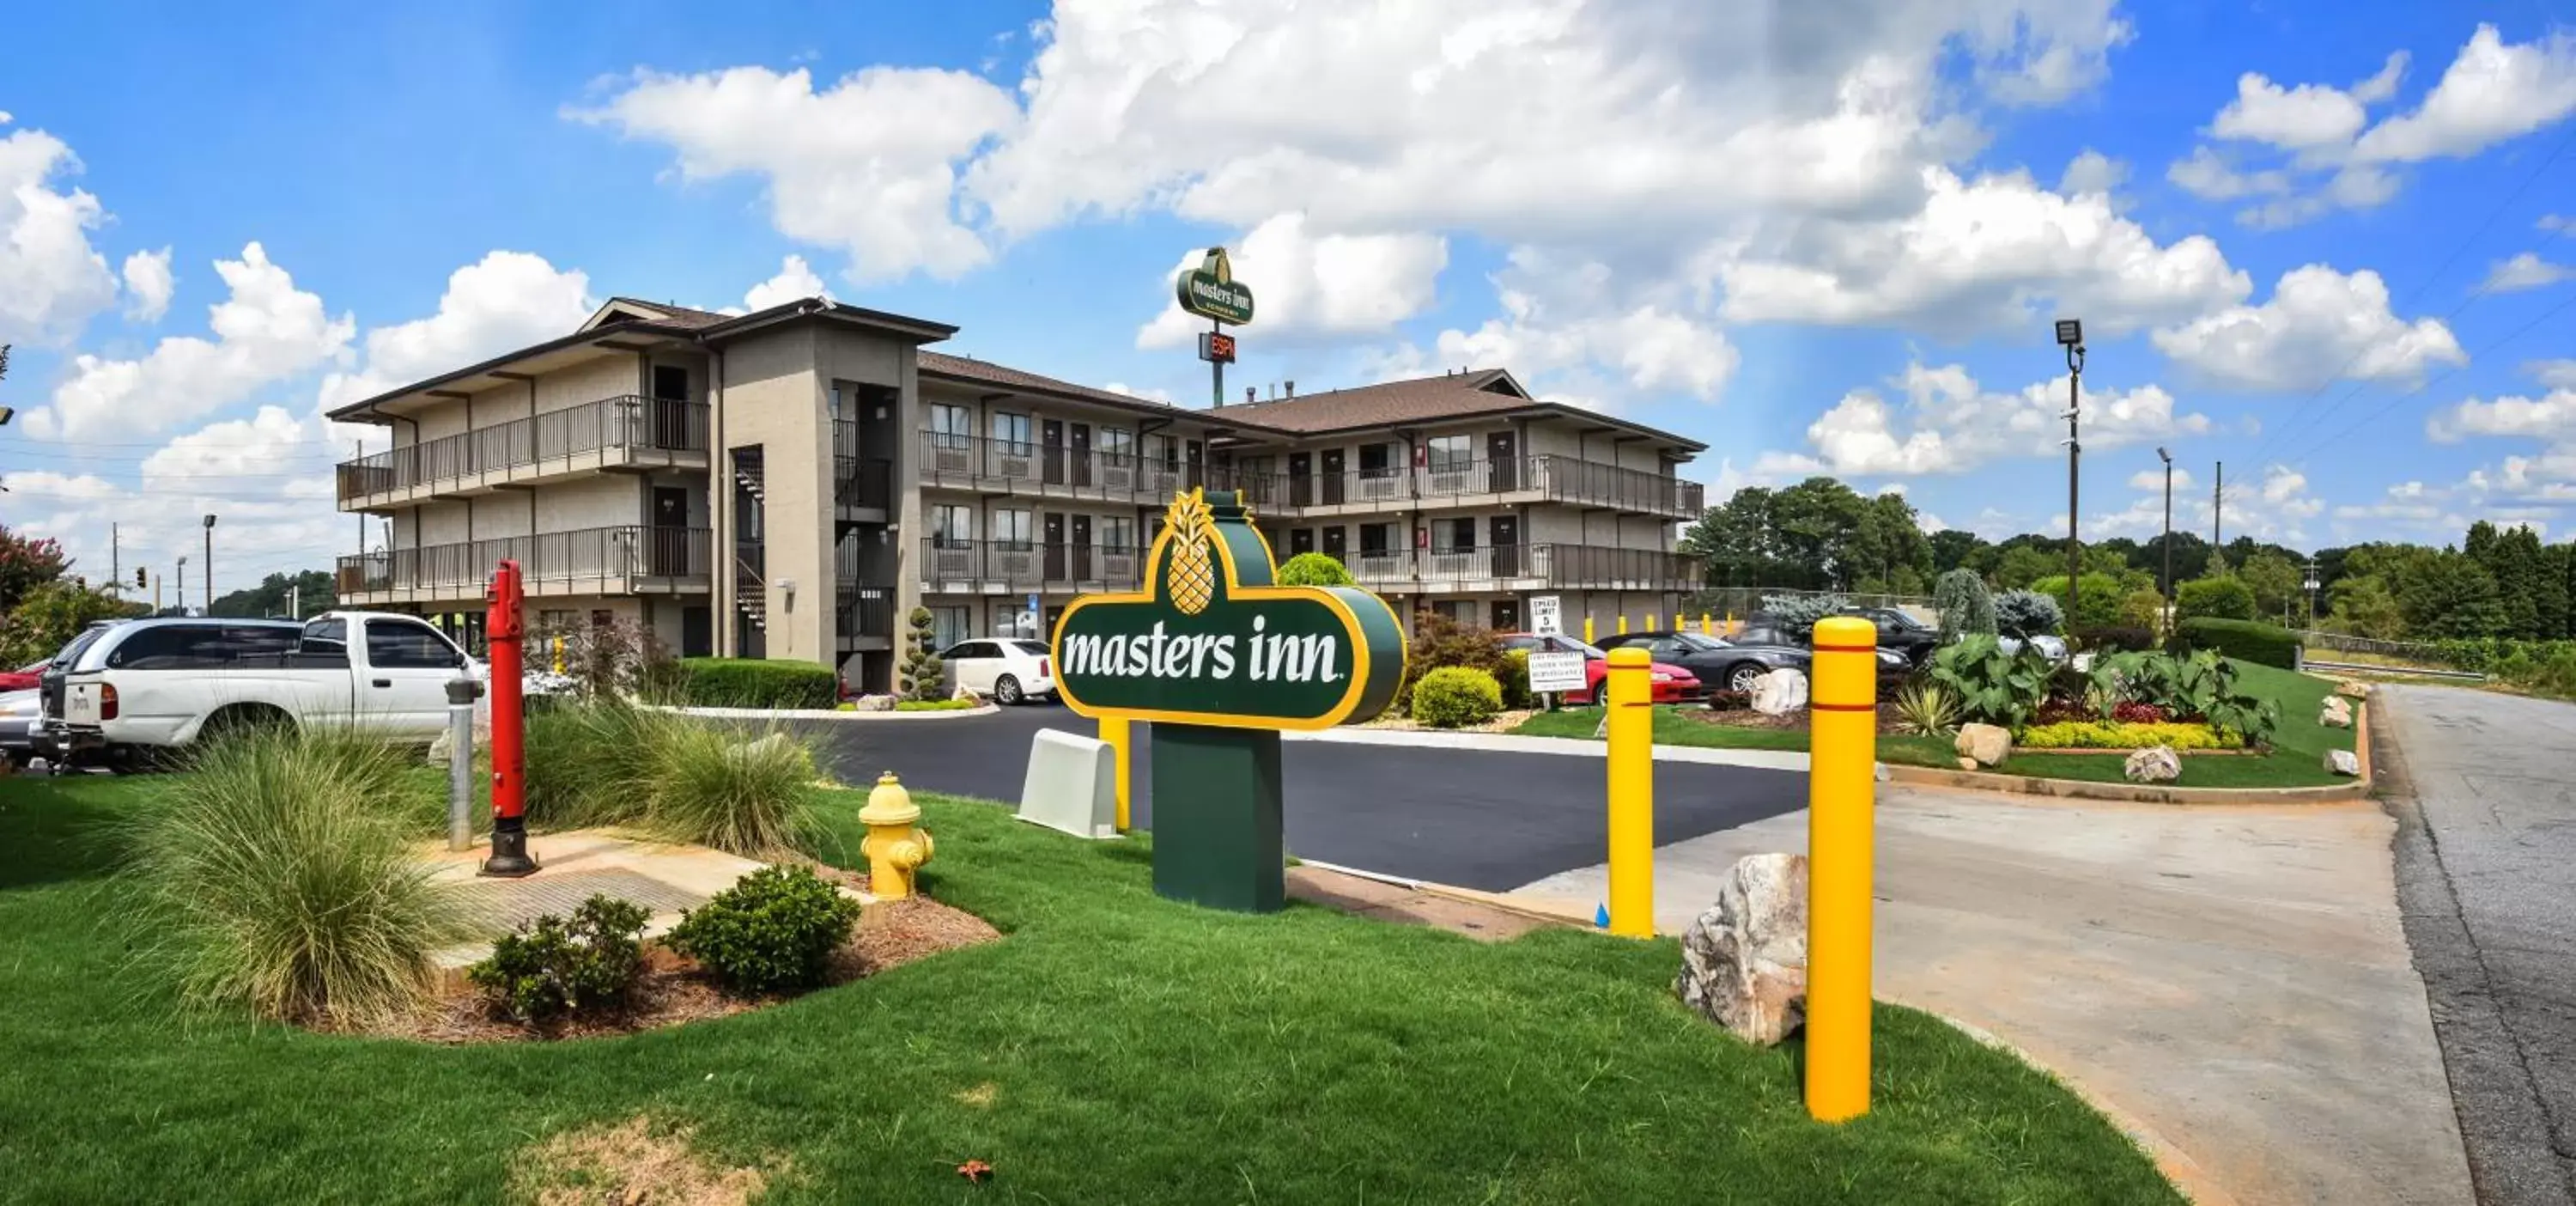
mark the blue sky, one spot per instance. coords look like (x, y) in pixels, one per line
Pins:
(2323, 243)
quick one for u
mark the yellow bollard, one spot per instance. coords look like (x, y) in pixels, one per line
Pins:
(1113, 733)
(1623, 623)
(1587, 630)
(558, 644)
(1704, 627)
(1677, 621)
(1841, 783)
(1631, 730)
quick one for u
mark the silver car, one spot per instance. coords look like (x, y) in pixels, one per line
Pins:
(19, 711)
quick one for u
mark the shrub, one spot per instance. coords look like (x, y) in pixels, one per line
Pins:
(2097, 598)
(1965, 606)
(1515, 678)
(752, 796)
(1313, 569)
(773, 930)
(2028, 613)
(1799, 613)
(2142, 609)
(1440, 641)
(1993, 686)
(278, 874)
(2202, 684)
(935, 705)
(551, 967)
(2115, 639)
(2096, 735)
(1452, 696)
(2245, 640)
(2224, 598)
(735, 682)
(621, 657)
(1927, 708)
(921, 676)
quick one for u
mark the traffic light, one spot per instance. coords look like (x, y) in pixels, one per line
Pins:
(141, 577)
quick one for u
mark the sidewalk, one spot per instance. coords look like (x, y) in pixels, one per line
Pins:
(2232, 981)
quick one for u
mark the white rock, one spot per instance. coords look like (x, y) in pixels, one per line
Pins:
(1988, 744)
(2332, 719)
(875, 703)
(2353, 688)
(1744, 961)
(440, 749)
(2343, 762)
(1780, 692)
(1967, 764)
(2154, 764)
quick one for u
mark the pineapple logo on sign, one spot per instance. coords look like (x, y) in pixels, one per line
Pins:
(1214, 641)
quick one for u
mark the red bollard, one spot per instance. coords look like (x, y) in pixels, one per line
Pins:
(503, 634)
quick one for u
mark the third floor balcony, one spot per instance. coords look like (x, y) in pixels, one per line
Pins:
(626, 431)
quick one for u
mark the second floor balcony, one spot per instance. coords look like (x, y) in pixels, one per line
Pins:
(609, 433)
(623, 560)
(1003, 567)
(976, 566)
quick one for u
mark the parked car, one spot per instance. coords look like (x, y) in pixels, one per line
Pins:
(1672, 684)
(1725, 664)
(155, 684)
(1761, 632)
(2052, 648)
(24, 678)
(1011, 670)
(19, 711)
(1900, 631)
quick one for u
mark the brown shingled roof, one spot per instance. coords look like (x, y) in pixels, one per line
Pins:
(1421, 399)
(968, 369)
(675, 316)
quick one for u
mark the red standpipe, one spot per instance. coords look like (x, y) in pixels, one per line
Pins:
(504, 634)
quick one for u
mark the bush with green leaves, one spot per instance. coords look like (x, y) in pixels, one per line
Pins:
(553, 966)
(936, 705)
(1440, 641)
(2142, 609)
(1455, 696)
(741, 682)
(773, 931)
(1314, 569)
(2224, 598)
(1994, 685)
(2245, 640)
(2114, 638)
(1966, 608)
(2202, 684)
(279, 873)
(2028, 613)
(2097, 598)
(1515, 678)
(1798, 613)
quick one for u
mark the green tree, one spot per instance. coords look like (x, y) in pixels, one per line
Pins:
(2274, 581)
(2225, 597)
(2190, 556)
(50, 615)
(277, 594)
(25, 565)
(2364, 606)
(1816, 535)
(1964, 605)
(2097, 598)
(2022, 565)
(2550, 595)
(1953, 548)
(1888, 539)
(2448, 594)
(1313, 569)
(1738, 543)
(921, 676)
(2513, 558)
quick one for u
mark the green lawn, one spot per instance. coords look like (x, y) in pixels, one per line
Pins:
(1141, 1052)
(2297, 758)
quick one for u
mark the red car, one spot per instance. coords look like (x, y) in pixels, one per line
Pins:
(1672, 683)
(23, 679)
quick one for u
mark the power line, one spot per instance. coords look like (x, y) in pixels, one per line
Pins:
(2446, 374)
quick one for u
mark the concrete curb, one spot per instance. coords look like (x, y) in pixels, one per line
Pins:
(1581, 747)
(826, 714)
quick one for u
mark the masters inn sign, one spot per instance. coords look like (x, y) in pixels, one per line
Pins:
(1219, 660)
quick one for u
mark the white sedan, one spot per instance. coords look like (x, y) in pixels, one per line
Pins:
(1004, 669)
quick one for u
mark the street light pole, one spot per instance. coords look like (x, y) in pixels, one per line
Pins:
(2070, 335)
(2167, 458)
(2311, 584)
(208, 571)
(183, 585)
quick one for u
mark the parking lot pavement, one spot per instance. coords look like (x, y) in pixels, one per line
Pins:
(1474, 818)
(2232, 979)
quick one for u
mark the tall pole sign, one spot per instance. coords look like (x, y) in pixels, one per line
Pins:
(1211, 292)
(1220, 659)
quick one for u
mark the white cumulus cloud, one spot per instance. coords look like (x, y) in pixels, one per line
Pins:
(506, 300)
(2524, 271)
(51, 280)
(1305, 284)
(795, 281)
(1949, 424)
(148, 285)
(2319, 324)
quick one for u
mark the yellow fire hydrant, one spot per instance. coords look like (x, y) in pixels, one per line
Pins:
(896, 848)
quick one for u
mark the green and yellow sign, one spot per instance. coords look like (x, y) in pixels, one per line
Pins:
(1211, 640)
(1210, 290)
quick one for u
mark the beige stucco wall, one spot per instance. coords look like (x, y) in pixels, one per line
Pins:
(774, 400)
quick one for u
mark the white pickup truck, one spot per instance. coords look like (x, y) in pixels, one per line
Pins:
(158, 683)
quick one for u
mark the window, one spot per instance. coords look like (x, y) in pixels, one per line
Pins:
(1032, 648)
(1462, 611)
(1011, 432)
(1451, 452)
(1118, 532)
(327, 636)
(1010, 619)
(408, 645)
(836, 404)
(1453, 535)
(951, 526)
(201, 646)
(968, 650)
(1011, 529)
(1117, 444)
(950, 425)
(1376, 460)
(1375, 537)
(1163, 450)
(552, 620)
(947, 625)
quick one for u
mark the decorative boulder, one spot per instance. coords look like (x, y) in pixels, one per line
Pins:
(1988, 744)
(2154, 764)
(1780, 692)
(1967, 764)
(2337, 713)
(440, 749)
(2353, 688)
(1744, 961)
(875, 703)
(2343, 762)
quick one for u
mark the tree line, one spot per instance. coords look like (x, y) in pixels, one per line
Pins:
(1820, 534)
(44, 604)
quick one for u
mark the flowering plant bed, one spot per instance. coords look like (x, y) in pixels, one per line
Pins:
(2094, 735)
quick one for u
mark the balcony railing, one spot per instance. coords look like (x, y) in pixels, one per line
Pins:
(1020, 564)
(610, 559)
(1557, 478)
(859, 481)
(1571, 566)
(612, 430)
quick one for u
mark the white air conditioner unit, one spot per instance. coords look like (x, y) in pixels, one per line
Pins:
(1378, 489)
(952, 565)
(1120, 478)
(1453, 481)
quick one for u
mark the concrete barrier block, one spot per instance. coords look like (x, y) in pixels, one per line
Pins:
(1072, 785)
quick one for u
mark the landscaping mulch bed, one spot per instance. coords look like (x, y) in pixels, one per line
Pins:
(1503, 722)
(675, 990)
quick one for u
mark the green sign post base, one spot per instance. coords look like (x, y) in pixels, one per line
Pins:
(1216, 817)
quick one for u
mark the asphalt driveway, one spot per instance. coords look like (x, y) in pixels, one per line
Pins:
(1474, 818)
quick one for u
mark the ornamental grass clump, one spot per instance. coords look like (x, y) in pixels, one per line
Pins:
(279, 875)
(752, 796)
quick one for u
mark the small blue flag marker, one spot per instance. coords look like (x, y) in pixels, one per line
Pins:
(1601, 917)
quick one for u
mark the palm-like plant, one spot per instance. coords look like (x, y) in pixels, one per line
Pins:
(1926, 708)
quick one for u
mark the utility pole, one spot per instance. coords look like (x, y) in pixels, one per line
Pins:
(115, 570)
(295, 600)
(2167, 457)
(2217, 513)
(156, 594)
(209, 570)
(183, 585)
(2070, 335)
